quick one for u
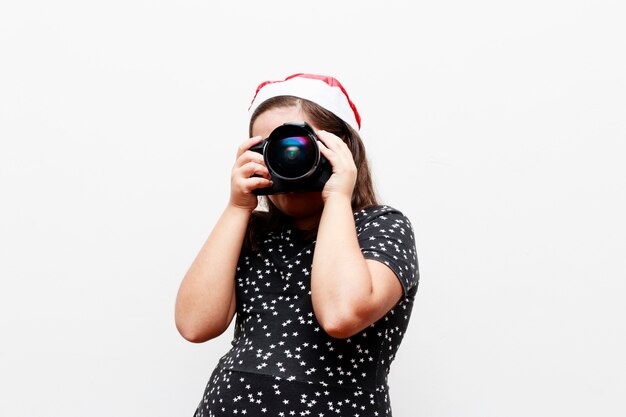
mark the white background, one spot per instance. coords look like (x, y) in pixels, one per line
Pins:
(498, 127)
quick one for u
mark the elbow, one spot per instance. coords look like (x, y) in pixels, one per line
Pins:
(339, 331)
(192, 335)
(195, 333)
(341, 325)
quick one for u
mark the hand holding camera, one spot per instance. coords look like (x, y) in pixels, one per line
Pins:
(248, 173)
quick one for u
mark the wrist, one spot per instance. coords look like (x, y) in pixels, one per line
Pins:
(238, 211)
(338, 190)
(337, 198)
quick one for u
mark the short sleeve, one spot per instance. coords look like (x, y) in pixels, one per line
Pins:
(386, 235)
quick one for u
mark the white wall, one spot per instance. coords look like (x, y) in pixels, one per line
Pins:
(498, 127)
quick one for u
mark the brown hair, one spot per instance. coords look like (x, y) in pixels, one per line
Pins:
(363, 195)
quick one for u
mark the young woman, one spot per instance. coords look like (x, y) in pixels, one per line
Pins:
(322, 282)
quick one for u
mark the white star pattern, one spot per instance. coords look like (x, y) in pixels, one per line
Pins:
(310, 373)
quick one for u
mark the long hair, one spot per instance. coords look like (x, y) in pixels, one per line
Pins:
(363, 195)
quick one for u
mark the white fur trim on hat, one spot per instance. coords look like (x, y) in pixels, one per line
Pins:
(322, 90)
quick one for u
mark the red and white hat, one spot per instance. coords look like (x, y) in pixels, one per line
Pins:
(320, 89)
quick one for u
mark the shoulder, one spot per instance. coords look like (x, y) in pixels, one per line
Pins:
(381, 215)
(386, 235)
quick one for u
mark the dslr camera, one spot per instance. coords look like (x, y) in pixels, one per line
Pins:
(294, 160)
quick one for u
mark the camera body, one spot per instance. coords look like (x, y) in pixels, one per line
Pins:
(294, 160)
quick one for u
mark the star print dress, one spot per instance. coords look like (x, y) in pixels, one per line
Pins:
(282, 363)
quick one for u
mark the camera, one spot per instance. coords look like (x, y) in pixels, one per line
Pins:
(294, 160)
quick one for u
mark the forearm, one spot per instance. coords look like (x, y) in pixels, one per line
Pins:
(341, 284)
(204, 302)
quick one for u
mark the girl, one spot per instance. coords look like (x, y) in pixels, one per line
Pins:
(322, 282)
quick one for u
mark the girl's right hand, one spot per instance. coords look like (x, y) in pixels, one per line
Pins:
(248, 174)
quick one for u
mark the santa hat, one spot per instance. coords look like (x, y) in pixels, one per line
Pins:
(320, 89)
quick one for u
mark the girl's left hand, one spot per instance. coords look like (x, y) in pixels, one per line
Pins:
(343, 178)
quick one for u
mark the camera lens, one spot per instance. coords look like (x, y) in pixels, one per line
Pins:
(292, 157)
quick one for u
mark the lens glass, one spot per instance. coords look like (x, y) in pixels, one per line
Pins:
(291, 157)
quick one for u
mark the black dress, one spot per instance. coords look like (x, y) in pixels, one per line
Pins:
(282, 363)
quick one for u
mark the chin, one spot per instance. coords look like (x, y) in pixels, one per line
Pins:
(298, 204)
